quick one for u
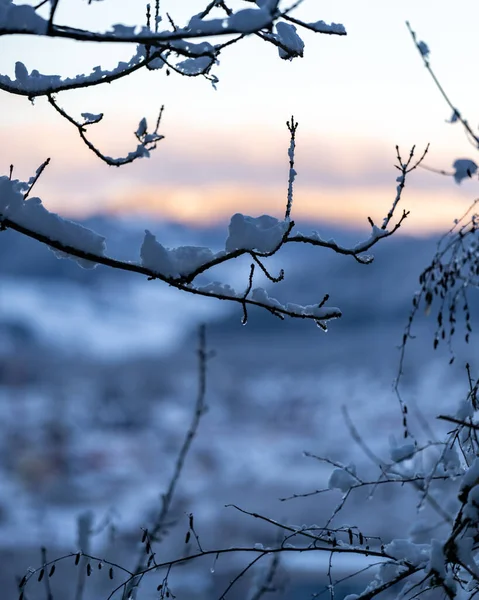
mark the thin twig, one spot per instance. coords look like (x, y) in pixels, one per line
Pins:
(292, 128)
(443, 93)
(147, 146)
(266, 584)
(167, 498)
(35, 179)
(471, 425)
(46, 578)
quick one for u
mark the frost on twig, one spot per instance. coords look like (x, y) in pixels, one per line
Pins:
(257, 237)
(292, 127)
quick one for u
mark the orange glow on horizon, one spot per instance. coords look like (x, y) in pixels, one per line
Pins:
(430, 211)
(204, 177)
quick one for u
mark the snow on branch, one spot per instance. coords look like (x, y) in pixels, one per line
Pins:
(29, 215)
(257, 237)
(173, 48)
(377, 233)
(154, 47)
(147, 141)
(25, 20)
(35, 84)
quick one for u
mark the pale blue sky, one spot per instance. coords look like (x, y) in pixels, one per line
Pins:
(355, 98)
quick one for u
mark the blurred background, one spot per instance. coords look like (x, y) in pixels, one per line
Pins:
(98, 369)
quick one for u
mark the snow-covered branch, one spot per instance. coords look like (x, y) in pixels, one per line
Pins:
(155, 48)
(257, 237)
(25, 20)
(173, 48)
(146, 141)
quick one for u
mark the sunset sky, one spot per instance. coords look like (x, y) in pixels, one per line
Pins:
(225, 151)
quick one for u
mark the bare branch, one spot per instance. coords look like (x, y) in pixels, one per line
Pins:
(450, 419)
(456, 112)
(167, 498)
